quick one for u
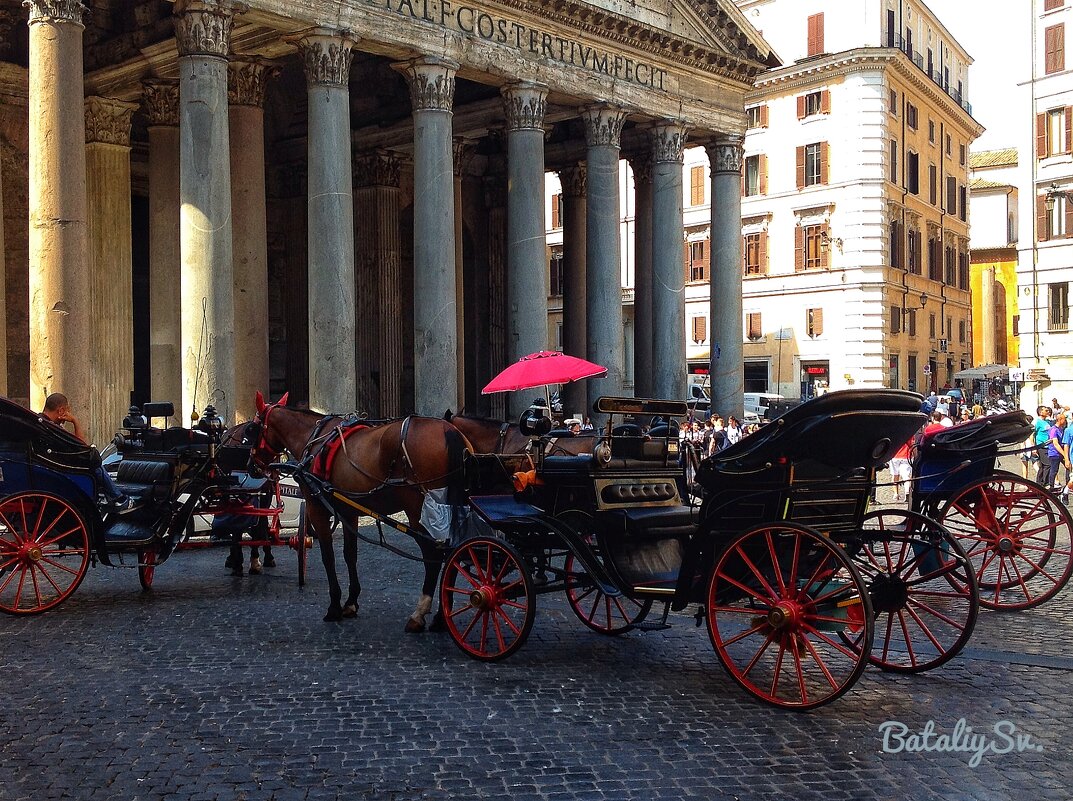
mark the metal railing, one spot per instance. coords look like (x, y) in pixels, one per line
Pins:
(936, 76)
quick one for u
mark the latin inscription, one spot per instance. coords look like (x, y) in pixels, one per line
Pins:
(471, 21)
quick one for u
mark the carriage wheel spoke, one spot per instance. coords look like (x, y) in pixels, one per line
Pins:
(887, 638)
(820, 663)
(908, 639)
(514, 628)
(817, 571)
(778, 670)
(931, 610)
(747, 590)
(775, 562)
(741, 635)
(833, 643)
(797, 665)
(924, 628)
(757, 573)
(58, 537)
(33, 579)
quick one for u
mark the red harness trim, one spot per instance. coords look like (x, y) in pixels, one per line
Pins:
(322, 463)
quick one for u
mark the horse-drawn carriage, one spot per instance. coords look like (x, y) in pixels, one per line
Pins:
(53, 524)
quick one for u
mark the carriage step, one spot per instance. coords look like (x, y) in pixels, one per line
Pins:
(646, 625)
(123, 531)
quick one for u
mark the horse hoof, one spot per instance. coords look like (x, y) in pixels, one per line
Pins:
(413, 627)
(333, 616)
(438, 625)
(237, 571)
(350, 610)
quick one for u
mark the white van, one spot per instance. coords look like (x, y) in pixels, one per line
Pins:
(758, 403)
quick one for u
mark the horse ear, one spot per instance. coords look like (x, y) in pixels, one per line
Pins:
(260, 402)
(283, 400)
(448, 415)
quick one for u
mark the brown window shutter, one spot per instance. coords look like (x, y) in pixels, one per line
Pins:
(825, 152)
(1041, 218)
(763, 115)
(801, 167)
(1060, 47)
(555, 199)
(743, 180)
(801, 107)
(706, 258)
(688, 259)
(702, 329)
(763, 174)
(1069, 130)
(1069, 220)
(825, 252)
(755, 326)
(763, 253)
(825, 101)
(799, 248)
(1041, 136)
(744, 255)
(817, 322)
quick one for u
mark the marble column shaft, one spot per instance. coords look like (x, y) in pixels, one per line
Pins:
(203, 34)
(603, 294)
(246, 91)
(643, 331)
(496, 202)
(436, 379)
(668, 276)
(60, 343)
(109, 263)
(727, 368)
(165, 265)
(527, 250)
(462, 150)
(573, 180)
(328, 56)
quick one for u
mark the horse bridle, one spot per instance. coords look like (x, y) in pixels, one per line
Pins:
(264, 453)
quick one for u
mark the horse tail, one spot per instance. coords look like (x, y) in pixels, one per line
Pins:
(459, 465)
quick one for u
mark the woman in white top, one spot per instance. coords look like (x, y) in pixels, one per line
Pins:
(733, 430)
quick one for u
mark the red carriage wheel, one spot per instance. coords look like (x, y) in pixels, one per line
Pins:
(1017, 536)
(780, 600)
(44, 552)
(300, 544)
(487, 598)
(595, 608)
(922, 587)
(146, 569)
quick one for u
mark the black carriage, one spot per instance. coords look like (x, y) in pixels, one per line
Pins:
(792, 575)
(52, 526)
(1017, 534)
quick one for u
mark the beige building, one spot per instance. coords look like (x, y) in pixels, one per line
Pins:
(346, 199)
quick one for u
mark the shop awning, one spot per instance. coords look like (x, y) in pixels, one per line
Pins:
(984, 373)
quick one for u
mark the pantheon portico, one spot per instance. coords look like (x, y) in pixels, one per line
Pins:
(345, 199)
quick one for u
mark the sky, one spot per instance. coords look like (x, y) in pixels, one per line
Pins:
(997, 34)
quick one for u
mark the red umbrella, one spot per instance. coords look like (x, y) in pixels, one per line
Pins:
(541, 369)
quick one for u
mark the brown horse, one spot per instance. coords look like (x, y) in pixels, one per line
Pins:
(388, 468)
(506, 439)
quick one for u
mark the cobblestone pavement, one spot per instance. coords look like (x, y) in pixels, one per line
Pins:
(232, 688)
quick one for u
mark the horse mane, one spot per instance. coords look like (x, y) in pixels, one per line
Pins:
(479, 418)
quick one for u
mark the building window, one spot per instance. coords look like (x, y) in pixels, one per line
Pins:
(1051, 4)
(700, 329)
(912, 172)
(911, 368)
(963, 271)
(1054, 49)
(1053, 132)
(931, 131)
(757, 116)
(1058, 306)
(755, 175)
(951, 195)
(894, 161)
(556, 266)
(933, 185)
(818, 102)
(754, 330)
(812, 164)
(963, 203)
(754, 251)
(914, 265)
(950, 267)
(911, 115)
(961, 332)
(931, 326)
(815, 34)
(892, 102)
(893, 379)
(1054, 222)
(911, 318)
(948, 151)
(897, 249)
(557, 211)
(814, 322)
(1015, 326)
(935, 267)
(961, 155)
(696, 185)
(895, 320)
(810, 250)
(697, 253)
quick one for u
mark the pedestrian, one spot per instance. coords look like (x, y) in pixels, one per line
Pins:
(977, 410)
(936, 423)
(719, 437)
(901, 470)
(1056, 453)
(1067, 444)
(587, 425)
(1041, 427)
(733, 430)
(966, 415)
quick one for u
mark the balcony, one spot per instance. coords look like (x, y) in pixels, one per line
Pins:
(936, 76)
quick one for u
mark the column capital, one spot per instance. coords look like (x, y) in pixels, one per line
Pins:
(108, 121)
(641, 164)
(431, 81)
(603, 124)
(55, 11)
(247, 78)
(377, 168)
(573, 180)
(668, 142)
(203, 27)
(525, 104)
(726, 154)
(327, 55)
(462, 150)
(161, 101)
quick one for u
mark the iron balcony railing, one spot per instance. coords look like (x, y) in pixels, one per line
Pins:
(936, 75)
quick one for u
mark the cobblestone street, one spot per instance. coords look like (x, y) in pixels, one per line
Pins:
(219, 687)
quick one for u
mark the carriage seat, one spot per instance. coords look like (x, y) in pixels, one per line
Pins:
(648, 544)
(567, 466)
(650, 523)
(146, 479)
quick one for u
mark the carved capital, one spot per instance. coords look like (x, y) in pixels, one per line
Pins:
(55, 11)
(108, 121)
(603, 125)
(641, 164)
(161, 101)
(525, 104)
(462, 151)
(203, 27)
(377, 168)
(327, 55)
(668, 142)
(246, 81)
(431, 81)
(726, 154)
(574, 180)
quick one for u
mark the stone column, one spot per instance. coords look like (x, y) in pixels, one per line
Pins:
(527, 250)
(246, 97)
(495, 198)
(327, 57)
(60, 343)
(165, 267)
(203, 35)
(377, 246)
(727, 356)
(572, 180)
(109, 264)
(668, 276)
(643, 333)
(432, 88)
(461, 151)
(603, 253)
